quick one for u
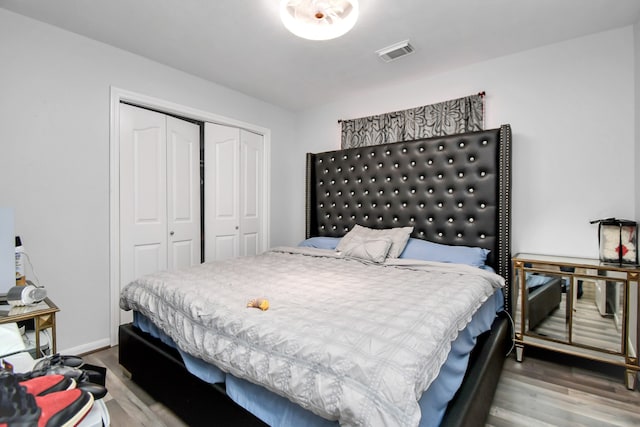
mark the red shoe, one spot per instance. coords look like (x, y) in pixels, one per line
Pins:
(17, 407)
(39, 386)
(64, 408)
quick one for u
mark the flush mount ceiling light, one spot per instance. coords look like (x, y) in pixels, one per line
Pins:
(319, 19)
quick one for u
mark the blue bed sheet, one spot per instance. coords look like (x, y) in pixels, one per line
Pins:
(278, 411)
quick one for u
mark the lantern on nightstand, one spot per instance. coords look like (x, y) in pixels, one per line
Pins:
(618, 239)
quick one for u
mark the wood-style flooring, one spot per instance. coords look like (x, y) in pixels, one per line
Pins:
(545, 390)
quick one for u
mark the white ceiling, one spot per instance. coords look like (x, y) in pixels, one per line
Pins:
(241, 44)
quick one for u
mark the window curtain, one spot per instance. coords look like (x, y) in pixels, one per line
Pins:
(445, 118)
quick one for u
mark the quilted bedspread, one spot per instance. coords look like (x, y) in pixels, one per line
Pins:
(351, 341)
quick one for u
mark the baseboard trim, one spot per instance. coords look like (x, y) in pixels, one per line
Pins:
(88, 347)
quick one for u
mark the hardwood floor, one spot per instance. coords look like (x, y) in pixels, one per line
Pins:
(549, 389)
(545, 390)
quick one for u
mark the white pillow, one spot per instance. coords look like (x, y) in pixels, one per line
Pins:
(399, 237)
(375, 250)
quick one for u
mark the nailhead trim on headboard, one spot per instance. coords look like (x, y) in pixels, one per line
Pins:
(453, 190)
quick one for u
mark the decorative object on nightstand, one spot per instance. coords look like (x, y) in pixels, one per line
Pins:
(20, 276)
(618, 240)
(600, 325)
(26, 295)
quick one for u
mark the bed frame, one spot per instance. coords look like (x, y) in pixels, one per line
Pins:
(454, 190)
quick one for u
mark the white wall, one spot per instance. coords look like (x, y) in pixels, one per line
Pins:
(572, 116)
(636, 44)
(54, 157)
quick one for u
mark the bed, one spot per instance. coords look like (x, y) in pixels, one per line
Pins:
(452, 191)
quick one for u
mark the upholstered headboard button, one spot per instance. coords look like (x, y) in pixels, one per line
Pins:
(447, 188)
(414, 180)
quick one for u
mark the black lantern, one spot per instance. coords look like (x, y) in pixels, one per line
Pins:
(618, 239)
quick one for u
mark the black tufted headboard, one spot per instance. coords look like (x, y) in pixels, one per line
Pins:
(453, 189)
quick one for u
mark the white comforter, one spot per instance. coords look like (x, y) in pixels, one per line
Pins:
(350, 341)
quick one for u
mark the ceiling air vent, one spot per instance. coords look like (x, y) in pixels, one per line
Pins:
(395, 51)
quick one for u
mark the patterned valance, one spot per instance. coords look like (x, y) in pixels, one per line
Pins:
(445, 118)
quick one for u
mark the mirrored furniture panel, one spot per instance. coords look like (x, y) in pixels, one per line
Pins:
(578, 306)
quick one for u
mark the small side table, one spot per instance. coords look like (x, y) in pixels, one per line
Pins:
(592, 313)
(43, 315)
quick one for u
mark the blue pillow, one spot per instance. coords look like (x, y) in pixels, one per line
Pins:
(321, 242)
(430, 251)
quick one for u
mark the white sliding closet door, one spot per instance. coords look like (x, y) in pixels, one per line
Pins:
(183, 193)
(234, 171)
(159, 194)
(251, 176)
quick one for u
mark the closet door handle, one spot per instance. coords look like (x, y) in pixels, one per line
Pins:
(171, 233)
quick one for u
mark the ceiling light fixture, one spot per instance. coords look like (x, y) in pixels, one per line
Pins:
(319, 19)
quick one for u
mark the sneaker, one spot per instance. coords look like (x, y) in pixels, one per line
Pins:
(58, 360)
(97, 391)
(17, 407)
(41, 386)
(78, 375)
(63, 408)
(67, 366)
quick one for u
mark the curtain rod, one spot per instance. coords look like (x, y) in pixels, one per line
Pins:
(480, 94)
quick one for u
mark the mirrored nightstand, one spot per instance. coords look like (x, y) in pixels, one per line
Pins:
(578, 306)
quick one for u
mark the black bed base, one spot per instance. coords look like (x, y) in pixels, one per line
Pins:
(159, 370)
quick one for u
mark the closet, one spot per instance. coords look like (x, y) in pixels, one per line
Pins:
(170, 209)
(159, 194)
(233, 188)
